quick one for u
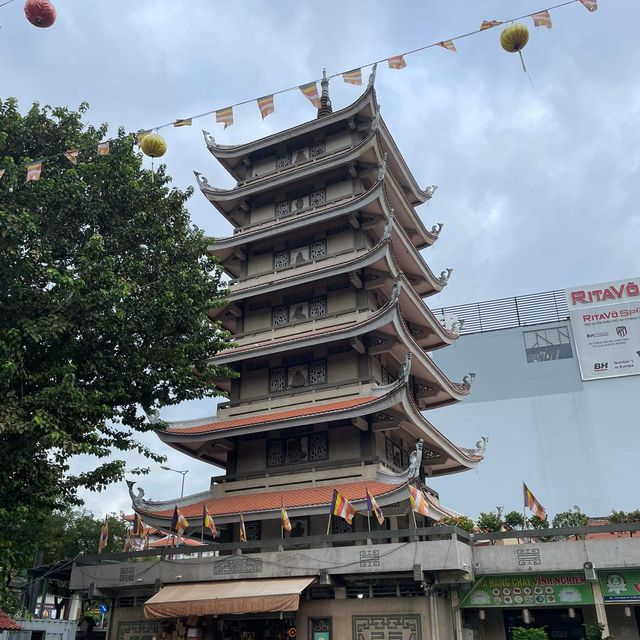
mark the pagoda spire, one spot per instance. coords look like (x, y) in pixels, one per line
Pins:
(325, 101)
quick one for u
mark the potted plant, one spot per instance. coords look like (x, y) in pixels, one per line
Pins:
(529, 633)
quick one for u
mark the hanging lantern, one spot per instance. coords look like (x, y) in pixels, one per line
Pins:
(40, 13)
(153, 145)
(514, 39)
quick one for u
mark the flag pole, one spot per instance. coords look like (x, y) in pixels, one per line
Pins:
(329, 524)
(415, 524)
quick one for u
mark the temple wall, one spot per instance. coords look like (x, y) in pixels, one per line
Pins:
(338, 141)
(340, 242)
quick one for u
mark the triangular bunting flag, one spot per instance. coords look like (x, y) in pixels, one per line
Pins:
(341, 507)
(532, 504)
(208, 523)
(2, 172)
(103, 148)
(286, 523)
(178, 523)
(243, 530)
(448, 44)
(396, 62)
(225, 116)
(542, 19)
(418, 500)
(266, 106)
(186, 122)
(310, 92)
(104, 536)
(33, 171)
(353, 77)
(591, 5)
(488, 24)
(372, 507)
(72, 155)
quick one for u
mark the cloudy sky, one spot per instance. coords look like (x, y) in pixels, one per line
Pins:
(538, 185)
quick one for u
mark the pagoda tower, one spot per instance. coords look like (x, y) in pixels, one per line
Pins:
(331, 336)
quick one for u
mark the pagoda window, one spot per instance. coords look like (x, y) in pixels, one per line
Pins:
(298, 375)
(280, 259)
(253, 531)
(318, 372)
(395, 453)
(283, 161)
(300, 254)
(278, 379)
(317, 149)
(318, 249)
(318, 307)
(283, 209)
(388, 375)
(317, 198)
(297, 449)
(282, 315)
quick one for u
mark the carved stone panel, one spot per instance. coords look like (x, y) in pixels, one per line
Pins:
(137, 630)
(236, 565)
(387, 627)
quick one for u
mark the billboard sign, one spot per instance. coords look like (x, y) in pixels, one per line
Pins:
(620, 586)
(605, 319)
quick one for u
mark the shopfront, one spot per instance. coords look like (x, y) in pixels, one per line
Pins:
(621, 595)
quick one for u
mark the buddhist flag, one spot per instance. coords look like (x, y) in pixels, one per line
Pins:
(266, 105)
(128, 542)
(33, 171)
(310, 92)
(353, 77)
(542, 19)
(2, 172)
(103, 149)
(532, 504)
(286, 523)
(419, 502)
(104, 537)
(396, 62)
(208, 523)
(341, 507)
(138, 527)
(145, 545)
(448, 44)
(178, 523)
(72, 155)
(373, 507)
(225, 116)
(592, 5)
(185, 122)
(243, 530)
(141, 135)
(489, 24)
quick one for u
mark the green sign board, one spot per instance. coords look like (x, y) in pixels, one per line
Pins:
(620, 586)
(320, 635)
(547, 590)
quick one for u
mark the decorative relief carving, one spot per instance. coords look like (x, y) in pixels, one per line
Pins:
(137, 630)
(281, 259)
(318, 249)
(278, 379)
(370, 558)
(387, 627)
(283, 161)
(319, 446)
(317, 149)
(235, 565)
(318, 307)
(317, 198)
(280, 315)
(283, 208)
(318, 372)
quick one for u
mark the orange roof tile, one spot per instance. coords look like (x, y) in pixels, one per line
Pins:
(278, 416)
(7, 622)
(170, 541)
(271, 500)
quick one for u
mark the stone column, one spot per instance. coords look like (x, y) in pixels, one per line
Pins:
(601, 612)
(457, 615)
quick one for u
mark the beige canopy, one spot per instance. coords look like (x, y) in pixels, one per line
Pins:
(227, 597)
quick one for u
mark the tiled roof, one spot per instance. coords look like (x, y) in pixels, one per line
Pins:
(277, 416)
(7, 622)
(270, 500)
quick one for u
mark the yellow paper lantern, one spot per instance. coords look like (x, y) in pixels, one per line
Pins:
(514, 39)
(153, 145)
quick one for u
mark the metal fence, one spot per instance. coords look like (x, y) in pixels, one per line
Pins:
(507, 313)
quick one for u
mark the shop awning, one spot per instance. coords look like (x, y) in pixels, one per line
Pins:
(227, 597)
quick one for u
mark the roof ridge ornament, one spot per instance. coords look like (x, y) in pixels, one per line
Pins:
(388, 227)
(136, 500)
(396, 292)
(383, 167)
(445, 275)
(410, 473)
(325, 107)
(437, 228)
(456, 326)
(405, 369)
(203, 183)
(481, 446)
(430, 190)
(467, 381)
(372, 76)
(210, 141)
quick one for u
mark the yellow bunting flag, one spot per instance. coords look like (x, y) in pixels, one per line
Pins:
(592, 5)
(185, 122)
(372, 507)
(103, 148)
(141, 135)
(243, 530)
(310, 92)
(542, 19)
(397, 62)
(225, 116)
(72, 155)
(286, 523)
(2, 172)
(353, 77)
(488, 24)
(33, 171)
(266, 105)
(208, 523)
(418, 500)
(532, 503)
(104, 536)
(448, 44)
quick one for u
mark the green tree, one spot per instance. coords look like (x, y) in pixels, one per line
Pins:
(514, 519)
(462, 522)
(571, 518)
(622, 517)
(490, 522)
(528, 633)
(595, 632)
(104, 293)
(538, 523)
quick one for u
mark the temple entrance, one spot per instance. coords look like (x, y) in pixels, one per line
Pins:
(256, 628)
(558, 624)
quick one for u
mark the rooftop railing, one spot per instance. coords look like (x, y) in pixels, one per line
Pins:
(508, 313)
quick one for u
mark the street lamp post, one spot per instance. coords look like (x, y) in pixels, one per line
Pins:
(183, 473)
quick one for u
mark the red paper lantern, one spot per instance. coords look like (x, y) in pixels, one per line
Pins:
(40, 13)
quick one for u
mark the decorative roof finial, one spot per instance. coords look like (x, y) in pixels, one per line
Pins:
(372, 76)
(325, 101)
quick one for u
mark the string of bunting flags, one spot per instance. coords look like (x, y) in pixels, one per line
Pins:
(266, 103)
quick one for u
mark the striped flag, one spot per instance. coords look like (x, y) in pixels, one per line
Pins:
(353, 77)
(33, 171)
(103, 148)
(225, 116)
(531, 503)
(208, 523)
(185, 122)
(2, 172)
(145, 544)
(72, 155)
(141, 135)
(448, 44)
(286, 523)
(310, 92)
(418, 500)
(592, 5)
(178, 523)
(542, 19)
(341, 507)
(243, 530)
(128, 542)
(489, 24)
(138, 527)
(104, 536)
(372, 507)
(396, 62)
(266, 105)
